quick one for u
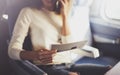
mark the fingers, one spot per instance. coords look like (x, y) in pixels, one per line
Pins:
(62, 2)
(46, 61)
(44, 52)
(45, 56)
(65, 3)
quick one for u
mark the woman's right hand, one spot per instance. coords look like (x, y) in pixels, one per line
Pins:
(43, 55)
(66, 7)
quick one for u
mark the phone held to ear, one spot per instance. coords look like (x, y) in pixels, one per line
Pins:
(57, 7)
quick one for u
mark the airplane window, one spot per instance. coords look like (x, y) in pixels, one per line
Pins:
(112, 9)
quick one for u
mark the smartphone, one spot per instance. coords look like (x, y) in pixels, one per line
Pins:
(57, 7)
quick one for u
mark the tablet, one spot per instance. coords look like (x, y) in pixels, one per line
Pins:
(68, 46)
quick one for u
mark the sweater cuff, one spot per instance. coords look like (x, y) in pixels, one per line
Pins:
(15, 54)
(67, 39)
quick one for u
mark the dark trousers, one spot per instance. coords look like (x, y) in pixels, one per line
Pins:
(83, 66)
(61, 69)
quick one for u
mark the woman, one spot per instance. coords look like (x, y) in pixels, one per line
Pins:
(46, 27)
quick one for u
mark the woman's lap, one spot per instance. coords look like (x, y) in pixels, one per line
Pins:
(54, 70)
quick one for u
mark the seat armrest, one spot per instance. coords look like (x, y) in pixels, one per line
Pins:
(30, 67)
(94, 51)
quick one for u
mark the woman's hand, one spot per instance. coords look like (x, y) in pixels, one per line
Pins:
(65, 11)
(66, 7)
(43, 55)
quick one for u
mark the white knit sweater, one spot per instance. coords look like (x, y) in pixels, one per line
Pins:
(45, 28)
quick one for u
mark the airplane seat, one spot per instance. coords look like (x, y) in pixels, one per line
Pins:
(21, 67)
(27, 68)
(105, 27)
(106, 39)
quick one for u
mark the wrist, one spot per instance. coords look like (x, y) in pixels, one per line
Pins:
(28, 55)
(65, 16)
(65, 20)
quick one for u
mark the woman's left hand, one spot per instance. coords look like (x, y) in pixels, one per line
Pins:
(66, 7)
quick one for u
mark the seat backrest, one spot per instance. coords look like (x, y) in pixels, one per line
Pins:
(107, 39)
(15, 6)
(13, 9)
